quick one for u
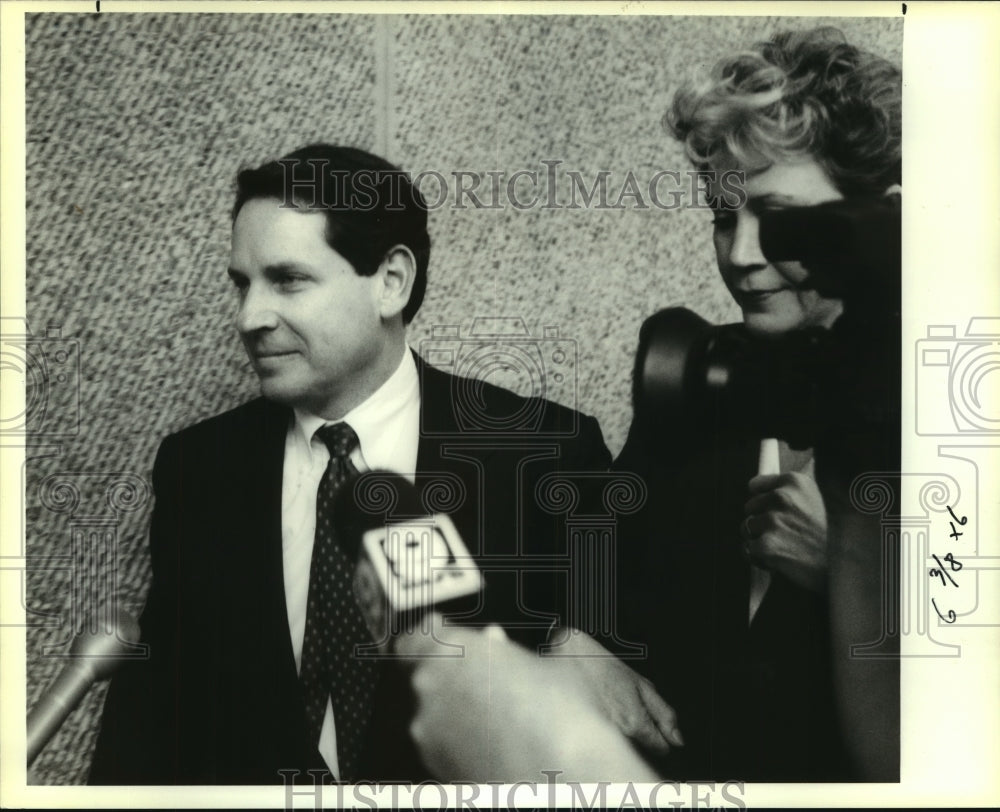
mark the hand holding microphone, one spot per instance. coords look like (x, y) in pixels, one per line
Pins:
(487, 709)
(785, 523)
(500, 713)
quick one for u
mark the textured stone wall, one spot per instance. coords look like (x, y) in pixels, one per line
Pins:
(136, 125)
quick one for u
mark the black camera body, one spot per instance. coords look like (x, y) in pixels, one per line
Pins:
(839, 388)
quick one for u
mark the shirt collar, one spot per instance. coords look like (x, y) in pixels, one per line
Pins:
(373, 418)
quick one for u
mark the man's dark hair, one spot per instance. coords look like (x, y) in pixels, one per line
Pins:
(370, 205)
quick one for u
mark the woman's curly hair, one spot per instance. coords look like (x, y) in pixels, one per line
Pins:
(800, 94)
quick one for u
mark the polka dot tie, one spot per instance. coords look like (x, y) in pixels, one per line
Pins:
(334, 624)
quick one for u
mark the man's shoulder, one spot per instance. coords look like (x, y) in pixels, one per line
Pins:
(478, 407)
(477, 395)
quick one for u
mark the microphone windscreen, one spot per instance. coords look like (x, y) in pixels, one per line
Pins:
(104, 649)
(371, 499)
(99, 648)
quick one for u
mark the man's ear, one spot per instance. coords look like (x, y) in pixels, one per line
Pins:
(895, 189)
(397, 271)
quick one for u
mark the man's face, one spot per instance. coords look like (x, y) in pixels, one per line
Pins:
(773, 296)
(310, 324)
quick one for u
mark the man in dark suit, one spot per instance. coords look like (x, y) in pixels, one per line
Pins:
(329, 261)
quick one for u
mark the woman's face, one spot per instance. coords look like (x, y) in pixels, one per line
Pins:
(773, 296)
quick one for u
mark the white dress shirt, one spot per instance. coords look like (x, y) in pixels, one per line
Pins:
(387, 425)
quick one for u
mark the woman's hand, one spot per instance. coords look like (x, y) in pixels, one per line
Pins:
(785, 528)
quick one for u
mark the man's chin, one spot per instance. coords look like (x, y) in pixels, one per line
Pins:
(278, 391)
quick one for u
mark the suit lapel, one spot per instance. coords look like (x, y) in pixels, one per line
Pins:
(437, 417)
(252, 559)
(275, 429)
(445, 452)
(254, 545)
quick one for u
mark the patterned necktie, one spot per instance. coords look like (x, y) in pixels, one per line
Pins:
(334, 625)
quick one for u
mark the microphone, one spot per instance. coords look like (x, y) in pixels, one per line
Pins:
(96, 654)
(410, 560)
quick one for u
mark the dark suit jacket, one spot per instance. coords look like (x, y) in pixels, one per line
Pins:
(754, 703)
(218, 701)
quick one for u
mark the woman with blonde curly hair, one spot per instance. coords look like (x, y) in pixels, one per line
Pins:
(726, 576)
(808, 119)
